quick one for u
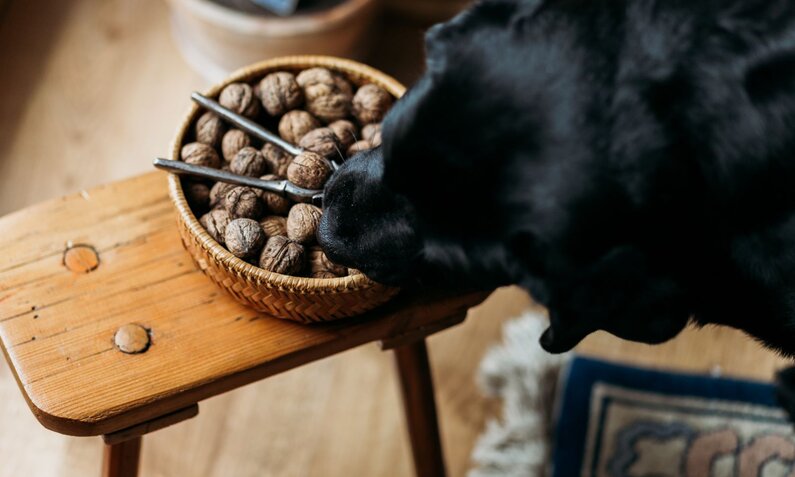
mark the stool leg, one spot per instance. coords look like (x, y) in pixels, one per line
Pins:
(121, 460)
(416, 384)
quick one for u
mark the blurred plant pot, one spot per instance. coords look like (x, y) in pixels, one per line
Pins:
(427, 11)
(216, 39)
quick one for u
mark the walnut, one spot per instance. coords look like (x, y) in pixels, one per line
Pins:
(302, 222)
(277, 159)
(210, 129)
(328, 95)
(328, 106)
(249, 162)
(243, 202)
(279, 93)
(239, 97)
(343, 85)
(244, 237)
(320, 81)
(234, 140)
(372, 133)
(215, 222)
(275, 203)
(217, 193)
(315, 76)
(309, 170)
(282, 255)
(370, 103)
(295, 124)
(315, 91)
(274, 225)
(198, 195)
(345, 132)
(200, 154)
(321, 267)
(322, 141)
(358, 147)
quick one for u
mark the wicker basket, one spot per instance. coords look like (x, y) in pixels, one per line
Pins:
(294, 298)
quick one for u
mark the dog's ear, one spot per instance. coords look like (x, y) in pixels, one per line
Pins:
(464, 28)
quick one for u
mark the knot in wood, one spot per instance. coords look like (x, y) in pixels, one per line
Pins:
(81, 258)
(132, 338)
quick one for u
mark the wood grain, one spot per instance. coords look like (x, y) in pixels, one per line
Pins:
(148, 427)
(122, 459)
(102, 82)
(57, 325)
(419, 407)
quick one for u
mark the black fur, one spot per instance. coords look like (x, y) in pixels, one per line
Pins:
(630, 162)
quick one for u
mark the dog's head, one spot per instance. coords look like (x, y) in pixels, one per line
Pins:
(425, 204)
(490, 173)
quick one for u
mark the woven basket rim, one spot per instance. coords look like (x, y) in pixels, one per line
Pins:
(304, 285)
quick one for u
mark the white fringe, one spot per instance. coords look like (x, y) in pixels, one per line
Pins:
(525, 376)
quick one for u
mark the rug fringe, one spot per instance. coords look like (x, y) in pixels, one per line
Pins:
(525, 377)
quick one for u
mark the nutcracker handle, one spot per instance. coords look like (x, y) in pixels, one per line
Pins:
(283, 187)
(245, 124)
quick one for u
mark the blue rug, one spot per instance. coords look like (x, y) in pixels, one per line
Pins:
(619, 421)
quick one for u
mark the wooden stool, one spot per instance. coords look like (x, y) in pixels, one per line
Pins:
(111, 330)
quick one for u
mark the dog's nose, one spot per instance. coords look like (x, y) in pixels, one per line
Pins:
(329, 242)
(323, 234)
(555, 342)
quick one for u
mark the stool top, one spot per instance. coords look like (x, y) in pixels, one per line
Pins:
(77, 269)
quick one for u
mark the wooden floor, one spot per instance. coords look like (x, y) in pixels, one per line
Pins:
(90, 92)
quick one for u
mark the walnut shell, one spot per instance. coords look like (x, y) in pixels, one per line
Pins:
(233, 141)
(315, 76)
(215, 222)
(279, 93)
(249, 162)
(274, 225)
(295, 124)
(315, 91)
(278, 160)
(282, 255)
(243, 202)
(218, 192)
(309, 170)
(240, 98)
(343, 85)
(370, 103)
(335, 82)
(371, 131)
(358, 147)
(321, 267)
(322, 141)
(345, 131)
(274, 203)
(329, 107)
(198, 195)
(302, 222)
(210, 129)
(200, 154)
(244, 237)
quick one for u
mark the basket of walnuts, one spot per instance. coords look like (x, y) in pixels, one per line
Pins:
(258, 245)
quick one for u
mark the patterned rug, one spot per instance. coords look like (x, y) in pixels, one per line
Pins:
(618, 421)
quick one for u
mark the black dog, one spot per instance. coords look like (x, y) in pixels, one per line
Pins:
(629, 162)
